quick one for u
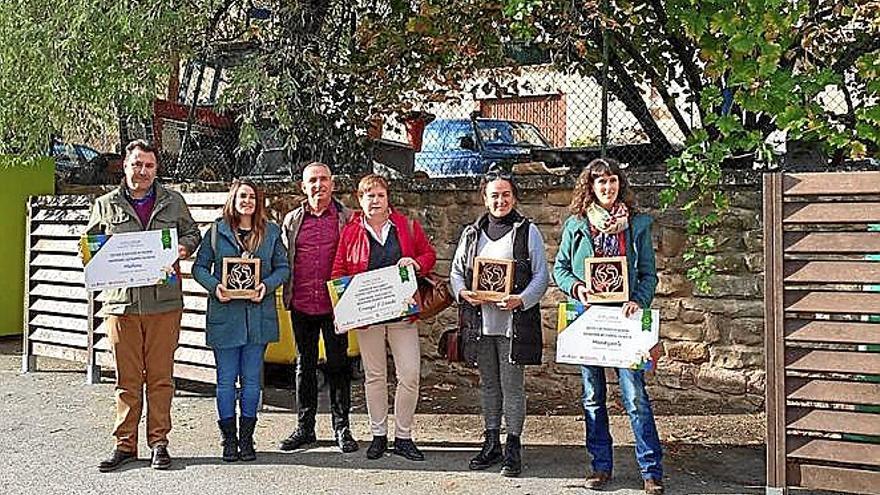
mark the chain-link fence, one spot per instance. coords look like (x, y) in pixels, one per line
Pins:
(535, 114)
(541, 114)
(191, 151)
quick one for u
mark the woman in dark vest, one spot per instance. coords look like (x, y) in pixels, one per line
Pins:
(604, 222)
(501, 337)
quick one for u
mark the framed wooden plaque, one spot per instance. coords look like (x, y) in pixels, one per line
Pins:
(493, 278)
(241, 276)
(608, 279)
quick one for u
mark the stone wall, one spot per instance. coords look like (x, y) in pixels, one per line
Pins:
(713, 342)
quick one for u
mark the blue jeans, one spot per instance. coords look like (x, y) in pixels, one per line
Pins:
(641, 418)
(245, 364)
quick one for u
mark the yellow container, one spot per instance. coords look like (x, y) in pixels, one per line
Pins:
(284, 351)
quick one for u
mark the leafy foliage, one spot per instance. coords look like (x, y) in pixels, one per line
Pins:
(752, 67)
(317, 71)
(67, 67)
(323, 68)
(780, 64)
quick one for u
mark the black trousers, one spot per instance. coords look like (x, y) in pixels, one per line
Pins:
(306, 330)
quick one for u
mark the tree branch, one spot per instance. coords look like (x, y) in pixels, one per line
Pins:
(679, 46)
(215, 21)
(626, 89)
(853, 51)
(657, 82)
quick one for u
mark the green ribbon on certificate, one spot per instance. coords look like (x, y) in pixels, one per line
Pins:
(404, 274)
(646, 320)
(166, 239)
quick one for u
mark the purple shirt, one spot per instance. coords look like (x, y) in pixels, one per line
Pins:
(144, 206)
(313, 262)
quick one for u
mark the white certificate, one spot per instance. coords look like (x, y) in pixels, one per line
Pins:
(373, 297)
(135, 259)
(602, 336)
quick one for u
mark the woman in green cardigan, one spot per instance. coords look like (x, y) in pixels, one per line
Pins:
(604, 223)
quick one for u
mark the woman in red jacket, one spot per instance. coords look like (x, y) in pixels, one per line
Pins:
(379, 237)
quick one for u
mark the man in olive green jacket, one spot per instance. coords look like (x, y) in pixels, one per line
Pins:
(143, 323)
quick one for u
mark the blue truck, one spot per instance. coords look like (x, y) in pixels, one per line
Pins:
(462, 147)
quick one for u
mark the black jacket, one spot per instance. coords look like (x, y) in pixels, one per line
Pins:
(527, 343)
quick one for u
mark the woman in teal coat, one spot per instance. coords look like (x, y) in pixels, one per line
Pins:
(604, 223)
(238, 330)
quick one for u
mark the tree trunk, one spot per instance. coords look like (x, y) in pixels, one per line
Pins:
(624, 87)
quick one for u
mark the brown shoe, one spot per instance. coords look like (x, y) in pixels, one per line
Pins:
(597, 480)
(160, 459)
(653, 487)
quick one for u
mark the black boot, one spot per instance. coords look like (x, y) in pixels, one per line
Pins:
(301, 437)
(406, 448)
(246, 438)
(377, 447)
(512, 464)
(345, 441)
(117, 458)
(230, 439)
(491, 452)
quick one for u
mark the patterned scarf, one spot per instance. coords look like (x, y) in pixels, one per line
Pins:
(607, 229)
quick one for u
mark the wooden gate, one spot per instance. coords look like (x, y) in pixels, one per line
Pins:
(822, 313)
(61, 316)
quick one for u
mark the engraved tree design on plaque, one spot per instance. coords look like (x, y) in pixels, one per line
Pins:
(607, 277)
(242, 276)
(492, 278)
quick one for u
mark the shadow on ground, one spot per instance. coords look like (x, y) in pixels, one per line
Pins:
(727, 470)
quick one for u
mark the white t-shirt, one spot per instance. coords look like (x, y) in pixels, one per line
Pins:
(496, 321)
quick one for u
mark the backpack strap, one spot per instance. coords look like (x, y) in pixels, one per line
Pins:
(214, 242)
(576, 241)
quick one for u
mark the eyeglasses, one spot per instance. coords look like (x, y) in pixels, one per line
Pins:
(498, 174)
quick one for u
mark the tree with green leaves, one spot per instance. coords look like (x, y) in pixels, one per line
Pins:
(70, 67)
(321, 69)
(753, 68)
(317, 71)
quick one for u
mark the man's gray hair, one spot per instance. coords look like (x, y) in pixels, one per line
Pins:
(316, 164)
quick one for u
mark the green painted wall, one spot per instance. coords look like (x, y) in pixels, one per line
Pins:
(16, 184)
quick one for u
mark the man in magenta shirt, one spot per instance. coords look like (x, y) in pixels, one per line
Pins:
(311, 233)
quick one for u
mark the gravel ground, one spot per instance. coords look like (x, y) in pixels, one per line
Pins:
(56, 428)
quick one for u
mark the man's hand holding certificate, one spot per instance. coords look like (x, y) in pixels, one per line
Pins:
(603, 336)
(373, 297)
(135, 259)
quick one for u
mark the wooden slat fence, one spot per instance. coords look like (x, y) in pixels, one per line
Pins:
(56, 302)
(60, 312)
(822, 313)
